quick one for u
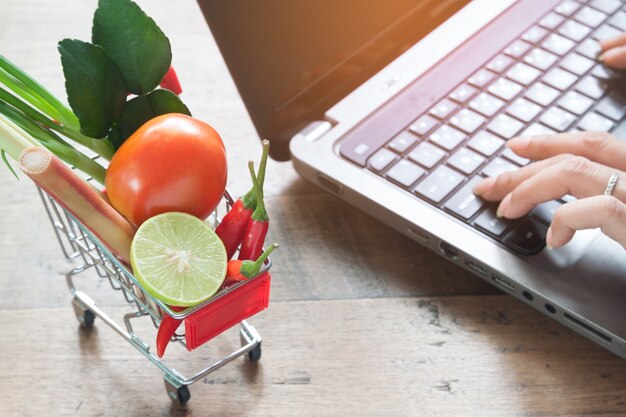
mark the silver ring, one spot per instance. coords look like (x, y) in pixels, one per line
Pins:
(610, 186)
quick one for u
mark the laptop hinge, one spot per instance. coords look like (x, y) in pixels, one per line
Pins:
(314, 130)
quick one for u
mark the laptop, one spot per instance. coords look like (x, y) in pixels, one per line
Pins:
(400, 107)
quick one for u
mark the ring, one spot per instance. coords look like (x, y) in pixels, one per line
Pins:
(610, 186)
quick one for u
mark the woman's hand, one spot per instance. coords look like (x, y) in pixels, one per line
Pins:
(614, 51)
(576, 163)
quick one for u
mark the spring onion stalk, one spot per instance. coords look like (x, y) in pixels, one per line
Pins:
(13, 140)
(62, 113)
(53, 142)
(76, 196)
(102, 147)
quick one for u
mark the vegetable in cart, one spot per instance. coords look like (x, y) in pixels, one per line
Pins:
(256, 230)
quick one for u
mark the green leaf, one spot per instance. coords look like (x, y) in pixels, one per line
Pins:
(6, 162)
(115, 137)
(143, 108)
(134, 42)
(95, 88)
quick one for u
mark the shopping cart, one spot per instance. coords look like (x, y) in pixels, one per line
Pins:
(229, 307)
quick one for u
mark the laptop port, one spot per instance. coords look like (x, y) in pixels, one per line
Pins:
(504, 283)
(477, 268)
(587, 327)
(415, 231)
(449, 251)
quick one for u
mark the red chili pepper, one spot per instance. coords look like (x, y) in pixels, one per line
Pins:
(254, 236)
(167, 328)
(239, 270)
(170, 81)
(233, 226)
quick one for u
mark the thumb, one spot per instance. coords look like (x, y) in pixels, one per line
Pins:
(614, 58)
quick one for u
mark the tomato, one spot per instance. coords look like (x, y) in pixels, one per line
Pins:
(172, 163)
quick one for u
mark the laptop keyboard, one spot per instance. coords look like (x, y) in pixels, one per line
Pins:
(545, 82)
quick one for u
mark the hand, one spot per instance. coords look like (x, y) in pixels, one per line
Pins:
(614, 51)
(576, 163)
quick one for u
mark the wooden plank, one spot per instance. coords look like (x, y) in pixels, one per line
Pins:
(470, 356)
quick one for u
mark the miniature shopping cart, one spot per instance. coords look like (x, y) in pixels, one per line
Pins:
(229, 307)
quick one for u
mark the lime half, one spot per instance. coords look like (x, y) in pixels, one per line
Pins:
(178, 259)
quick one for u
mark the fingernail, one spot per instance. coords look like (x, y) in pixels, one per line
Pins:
(549, 247)
(549, 239)
(600, 58)
(503, 206)
(484, 186)
(519, 142)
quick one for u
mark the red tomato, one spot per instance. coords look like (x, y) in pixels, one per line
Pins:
(171, 163)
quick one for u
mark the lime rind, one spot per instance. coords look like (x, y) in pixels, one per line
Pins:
(178, 259)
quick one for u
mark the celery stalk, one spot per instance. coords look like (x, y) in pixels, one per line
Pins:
(76, 196)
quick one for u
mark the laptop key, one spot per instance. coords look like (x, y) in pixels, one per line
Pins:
(528, 237)
(488, 222)
(596, 122)
(567, 8)
(505, 126)
(481, 78)
(402, 142)
(551, 21)
(577, 64)
(535, 34)
(560, 79)
(427, 154)
(486, 104)
(557, 119)
(443, 109)
(574, 30)
(512, 156)
(524, 110)
(591, 86)
(498, 167)
(465, 161)
(463, 93)
(605, 32)
(447, 137)
(541, 59)
(467, 120)
(486, 143)
(545, 211)
(612, 108)
(381, 160)
(589, 48)
(405, 173)
(575, 103)
(542, 94)
(441, 182)
(537, 129)
(500, 63)
(517, 48)
(602, 72)
(464, 203)
(558, 44)
(505, 89)
(423, 125)
(607, 6)
(523, 74)
(619, 20)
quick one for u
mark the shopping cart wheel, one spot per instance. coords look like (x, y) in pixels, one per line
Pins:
(84, 315)
(255, 354)
(181, 395)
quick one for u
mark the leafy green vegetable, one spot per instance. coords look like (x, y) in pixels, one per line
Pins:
(3, 154)
(134, 42)
(143, 108)
(95, 88)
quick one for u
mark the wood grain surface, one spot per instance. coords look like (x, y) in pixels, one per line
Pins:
(362, 321)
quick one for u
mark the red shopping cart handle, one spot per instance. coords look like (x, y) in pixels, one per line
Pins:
(225, 312)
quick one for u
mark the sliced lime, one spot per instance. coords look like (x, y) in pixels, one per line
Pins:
(178, 259)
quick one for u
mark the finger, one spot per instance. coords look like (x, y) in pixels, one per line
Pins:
(605, 212)
(614, 57)
(610, 43)
(577, 176)
(495, 188)
(600, 147)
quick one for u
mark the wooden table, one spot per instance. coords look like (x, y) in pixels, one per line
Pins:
(362, 321)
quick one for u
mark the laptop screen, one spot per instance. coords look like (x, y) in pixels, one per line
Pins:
(293, 59)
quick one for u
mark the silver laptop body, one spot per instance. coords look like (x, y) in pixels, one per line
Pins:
(582, 285)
